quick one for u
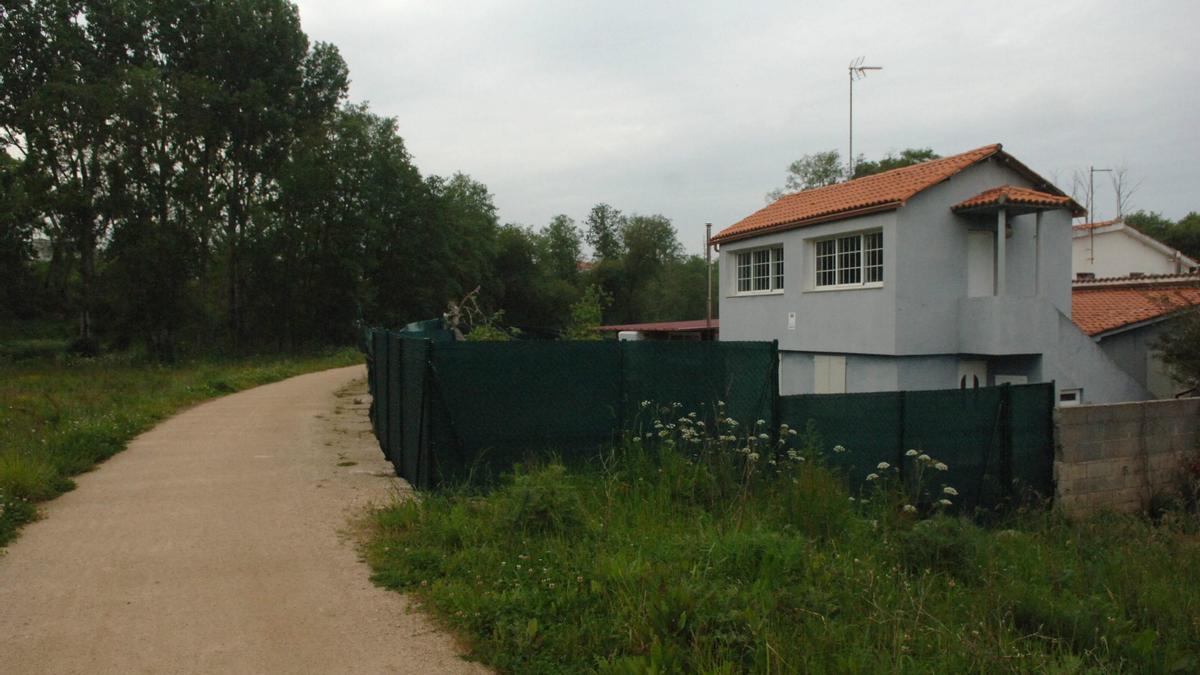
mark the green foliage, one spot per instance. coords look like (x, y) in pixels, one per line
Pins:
(585, 314)
(1183, 235)
(811, 171)
(561, 248)
(826, 168)
(1179, 347)
(604, 224)
(690, 550)
(490, 331)
(906, 157)
(61, 417)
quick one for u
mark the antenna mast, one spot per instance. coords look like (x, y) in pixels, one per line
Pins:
(857, 72)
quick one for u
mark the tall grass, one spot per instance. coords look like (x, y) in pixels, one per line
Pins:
(677, 555)
(59, 417)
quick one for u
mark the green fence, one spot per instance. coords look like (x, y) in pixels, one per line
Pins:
(997, 441)
(445, 410)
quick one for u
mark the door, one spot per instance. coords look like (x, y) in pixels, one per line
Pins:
(972, 374)
(981, 263)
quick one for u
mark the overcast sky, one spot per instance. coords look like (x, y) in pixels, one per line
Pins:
(694, 109)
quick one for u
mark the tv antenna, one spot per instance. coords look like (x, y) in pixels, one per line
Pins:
(857, 72)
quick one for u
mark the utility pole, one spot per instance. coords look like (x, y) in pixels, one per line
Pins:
(708, 267)
(857, 72)
(1092, 171)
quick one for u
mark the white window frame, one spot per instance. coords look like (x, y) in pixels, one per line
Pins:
(1070, 397)
(776, 275)
(839, 272)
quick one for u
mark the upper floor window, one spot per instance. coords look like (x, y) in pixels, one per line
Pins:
(760, 270)
(849, 261)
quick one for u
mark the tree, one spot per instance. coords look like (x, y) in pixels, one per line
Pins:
(906, 157)
(604, 225)
(1150, 223)
(811, 171)
(1179, 348)
(826, 168)
(1124, 186)
(585, 314)
(561, 248)
(17, 282)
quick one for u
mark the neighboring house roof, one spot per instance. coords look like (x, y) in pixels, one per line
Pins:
(1018, 196)
(1092, 226)
(663, 326)
(870, 194)
(1119, 225)
(1103, 306)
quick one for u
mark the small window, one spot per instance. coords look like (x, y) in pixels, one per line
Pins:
(1085, 276)
(1070, 397)
(846, 262)
(760, 270)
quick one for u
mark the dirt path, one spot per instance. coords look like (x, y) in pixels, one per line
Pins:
(216, 543)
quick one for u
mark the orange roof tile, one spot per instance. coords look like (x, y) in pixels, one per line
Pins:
(1092, 226)
(878, 192)
(1102, 305)
(1011, 194)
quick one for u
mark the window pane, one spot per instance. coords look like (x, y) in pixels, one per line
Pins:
(873, 252)
(849, 261)
(777, 258)
(762, 270)
(743, 272)
(826, 262)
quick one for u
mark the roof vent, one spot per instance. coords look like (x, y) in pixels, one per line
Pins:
(1085, 276)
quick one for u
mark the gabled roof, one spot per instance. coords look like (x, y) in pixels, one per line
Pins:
(1119, 225)
(663, 326)
(1098, 224)
(1020, 197)
(1102, 306)
(869, 194)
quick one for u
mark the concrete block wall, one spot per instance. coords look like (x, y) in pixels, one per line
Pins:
(1116, 457)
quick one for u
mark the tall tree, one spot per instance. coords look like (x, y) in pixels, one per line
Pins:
(604, 225)
(561, 248)
(906, 157)
(811, 171)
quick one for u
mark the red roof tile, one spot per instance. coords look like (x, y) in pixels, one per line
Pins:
(1102, 305)
(879, 192)
(662, 326)
(1092, 226)
(1011, 194)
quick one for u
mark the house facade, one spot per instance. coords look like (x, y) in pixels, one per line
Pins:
(1126, 316)
(1113, 249)
(950, 273)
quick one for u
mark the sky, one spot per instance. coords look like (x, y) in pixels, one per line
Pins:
(695, 109)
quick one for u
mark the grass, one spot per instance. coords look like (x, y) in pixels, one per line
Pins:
(60, 416)
(681, 555)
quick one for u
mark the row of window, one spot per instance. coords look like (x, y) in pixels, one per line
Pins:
(841, 262)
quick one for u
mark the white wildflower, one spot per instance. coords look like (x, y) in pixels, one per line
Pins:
(944, 502)
(753, 457)
(791, 432)
(883, 466)
(941, 466)
(764, 437)
(924, 458)
(872, 476)
(839, 449)
(909, 508)
(911, 453)
(950, 491)
(761, 422)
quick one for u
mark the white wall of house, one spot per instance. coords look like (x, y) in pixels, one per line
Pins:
(918, 328)
(1118, 250)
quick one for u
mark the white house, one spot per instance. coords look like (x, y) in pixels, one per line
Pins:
(1114, 249)
(1127, 315)
(950, 273)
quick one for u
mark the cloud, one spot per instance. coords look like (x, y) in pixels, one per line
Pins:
(694, 109)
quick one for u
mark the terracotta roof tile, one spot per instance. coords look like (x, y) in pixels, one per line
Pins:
(881, 191)
(662, 326)
(1011, 194)
(1092, 226)
(1107, 304)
